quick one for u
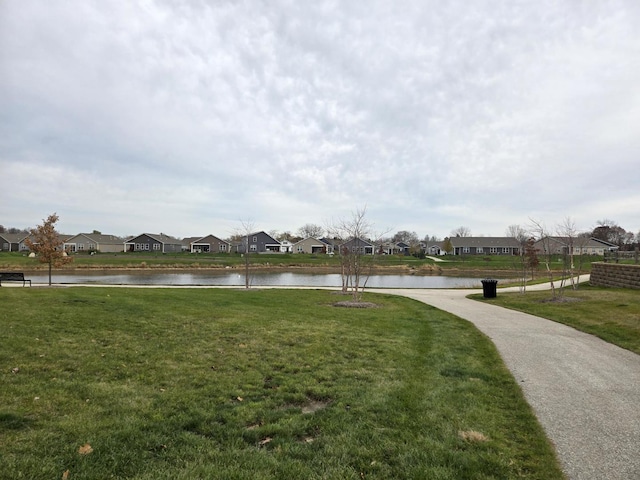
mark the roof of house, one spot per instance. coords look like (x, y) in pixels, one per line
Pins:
(489, 242)
(14, 237)
(160, 237)
(313, 239)
(262, 232)
(99, 238)
(582, 242)
(205, 239)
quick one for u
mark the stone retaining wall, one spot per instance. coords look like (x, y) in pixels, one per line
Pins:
(615, 275)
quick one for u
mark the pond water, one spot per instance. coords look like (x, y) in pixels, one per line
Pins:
(257, 278)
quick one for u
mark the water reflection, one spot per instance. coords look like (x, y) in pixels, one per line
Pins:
(268, 279)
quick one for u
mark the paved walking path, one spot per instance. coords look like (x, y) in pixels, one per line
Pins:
(584, 391)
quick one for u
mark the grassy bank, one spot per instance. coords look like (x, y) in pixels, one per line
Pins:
(612, 314)
(503, 266)
(229, 384)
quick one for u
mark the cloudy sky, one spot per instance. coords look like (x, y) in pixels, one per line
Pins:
(189, 117)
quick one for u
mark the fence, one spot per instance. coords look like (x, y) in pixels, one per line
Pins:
(617, 256)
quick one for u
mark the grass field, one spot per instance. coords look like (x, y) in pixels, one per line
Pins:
(612, 314)
(260, 384)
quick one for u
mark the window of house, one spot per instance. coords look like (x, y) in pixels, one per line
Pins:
(255, 239)
(493, 250)
(253, 248)
(466, 249)
(81, 246)
(156, 246)
(479, 250)
(146, 246)
(223, 247)
(505, 249)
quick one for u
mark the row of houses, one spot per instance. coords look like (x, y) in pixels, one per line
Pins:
(262, 242)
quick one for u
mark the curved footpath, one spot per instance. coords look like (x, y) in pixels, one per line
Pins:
(584, 391)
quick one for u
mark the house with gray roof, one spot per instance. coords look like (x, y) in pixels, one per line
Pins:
(580, 246)
(310, 245)
(357, 246)
(259, 242)
(209, 244)
(152, 242)
(485, 246)
(93, 242)
(10, 242)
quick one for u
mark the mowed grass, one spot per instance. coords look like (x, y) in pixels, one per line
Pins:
(259, 384)
(612, 314)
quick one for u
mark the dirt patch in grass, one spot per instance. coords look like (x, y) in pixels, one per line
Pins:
(473, 436)
(314, 405)
(355, 304)
(561, 300)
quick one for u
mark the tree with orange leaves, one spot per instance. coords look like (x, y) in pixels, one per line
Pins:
(46, 243)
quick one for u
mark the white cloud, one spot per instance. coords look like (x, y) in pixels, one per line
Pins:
(434, 115)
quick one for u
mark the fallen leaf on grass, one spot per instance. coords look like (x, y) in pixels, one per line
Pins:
(240, 399)
(85, 449)
(65, 475)
(264, 441)
(473, 436)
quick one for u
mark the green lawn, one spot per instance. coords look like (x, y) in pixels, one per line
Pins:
(259, 384)
(612, 314)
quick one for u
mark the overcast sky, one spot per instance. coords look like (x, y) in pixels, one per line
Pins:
(188, 117)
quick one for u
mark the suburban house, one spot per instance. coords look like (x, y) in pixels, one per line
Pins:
(286, 246)
(259, 242)
(433, 248)
(357, 245)
(10, 242)
(580, 245)
(23, 247)
(93, 242)
(209, 244)
(151, 242)
(331, 244)
(485, 246)
(391, 248)
(310, 245)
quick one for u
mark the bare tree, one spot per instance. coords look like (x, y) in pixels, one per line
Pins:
(568, 231)
(531, 256)
(609, 231)
(521, 235)
(247, 228)
(539, 230)
(47, 244)
(410, 238)
(518, 232)
(461, 232)
(311, 230)
(357, 255)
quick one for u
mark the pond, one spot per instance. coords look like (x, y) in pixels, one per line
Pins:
(236, 278)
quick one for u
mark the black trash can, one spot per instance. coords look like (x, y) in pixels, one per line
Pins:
(489, 286)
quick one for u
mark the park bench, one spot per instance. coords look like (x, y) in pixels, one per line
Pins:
(14, 277)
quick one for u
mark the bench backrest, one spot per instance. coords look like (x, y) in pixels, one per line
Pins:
(12, 276)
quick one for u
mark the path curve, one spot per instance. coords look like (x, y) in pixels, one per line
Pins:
(584, 391)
